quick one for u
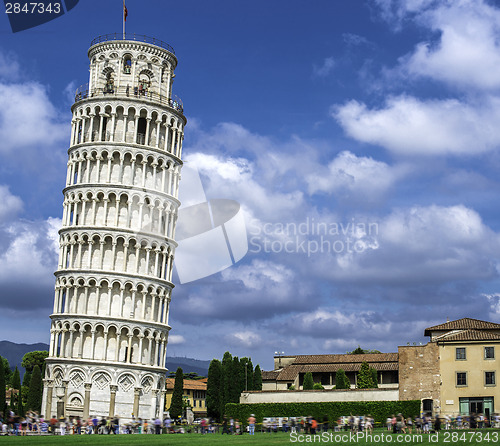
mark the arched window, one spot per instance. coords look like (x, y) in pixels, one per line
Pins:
(110, 83)
(127, 64)
(144, 83)
(141, 131)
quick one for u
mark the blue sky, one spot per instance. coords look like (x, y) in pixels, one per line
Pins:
(381, 113)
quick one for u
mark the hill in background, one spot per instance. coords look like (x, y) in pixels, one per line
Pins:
(15, 352)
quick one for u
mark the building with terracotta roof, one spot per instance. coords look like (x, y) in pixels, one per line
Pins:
(290, 370)
(455, 372)
(195, 393)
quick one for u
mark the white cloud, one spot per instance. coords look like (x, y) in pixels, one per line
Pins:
(69, 92)
(407, 125)
(432, 243)
(10, 205)
(396, 11)
(9, 65)
(237, 178)
(260, 274)
(494, 300)
(467, 52)
(176, 339)
(325, 69)
(28, 261)
(348, 174)
(28, 119)
(355, 40)
(244, 338)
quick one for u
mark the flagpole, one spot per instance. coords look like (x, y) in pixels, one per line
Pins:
(123, 13)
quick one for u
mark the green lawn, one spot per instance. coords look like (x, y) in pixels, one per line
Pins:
(380, 438)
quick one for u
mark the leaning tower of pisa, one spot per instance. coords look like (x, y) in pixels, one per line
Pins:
(109, 326)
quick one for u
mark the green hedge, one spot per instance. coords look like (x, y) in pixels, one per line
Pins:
(379, 410)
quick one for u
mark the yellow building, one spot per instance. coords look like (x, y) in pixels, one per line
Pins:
(195, 392)
(469, 364)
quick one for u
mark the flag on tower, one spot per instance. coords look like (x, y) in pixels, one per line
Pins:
(125, 12)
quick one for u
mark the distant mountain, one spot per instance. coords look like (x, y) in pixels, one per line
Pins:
(188, 365)
(15, 352)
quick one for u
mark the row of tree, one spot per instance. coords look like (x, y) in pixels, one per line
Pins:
(227, 379)
(25, 396)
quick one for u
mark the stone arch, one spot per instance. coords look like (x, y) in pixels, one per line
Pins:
(126, 382)
(101, 379)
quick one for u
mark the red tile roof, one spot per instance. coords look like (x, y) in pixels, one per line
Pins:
(332, 363)
(191, 384)
(465, 323)
(346, 358)
(469, 335)
(290, 373)
(269, 375)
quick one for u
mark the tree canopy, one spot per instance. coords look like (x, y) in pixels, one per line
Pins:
(34, 401)
(214, 390)
(2, 389)
(365, 377)
(308, 381)
(31, 359)
(227, 379)
(15, 381)
(6, 368)
(360, 351)
(257, 378)
(176, 405)
(341, 380)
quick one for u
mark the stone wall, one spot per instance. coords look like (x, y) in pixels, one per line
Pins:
(318, 396)
(419, 374)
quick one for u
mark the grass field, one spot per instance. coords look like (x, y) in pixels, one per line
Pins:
(380, 437)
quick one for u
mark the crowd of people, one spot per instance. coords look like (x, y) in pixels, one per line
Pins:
(33, 423)
(428, 423)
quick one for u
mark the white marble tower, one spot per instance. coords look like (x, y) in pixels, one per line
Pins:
(109, 328)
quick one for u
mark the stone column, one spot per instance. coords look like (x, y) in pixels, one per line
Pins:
(141, 339)
(112, 389)
(162, 399)
(154, 403)
(135, 129)
(48, 408)
(113, 119)
(146, 136)
(129, 350)
(63, 400)
(137, 393)
(86, 401)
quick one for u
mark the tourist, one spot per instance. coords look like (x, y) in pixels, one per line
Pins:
(251, 424)
(409, 424)
(368, 423)
(24, 427)
(53, 424)
(62, 425)
(437, 423)
(225, 430)
(325, 423)
(313, 426)
(168, 424)
(95, 423)
(157, 424)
